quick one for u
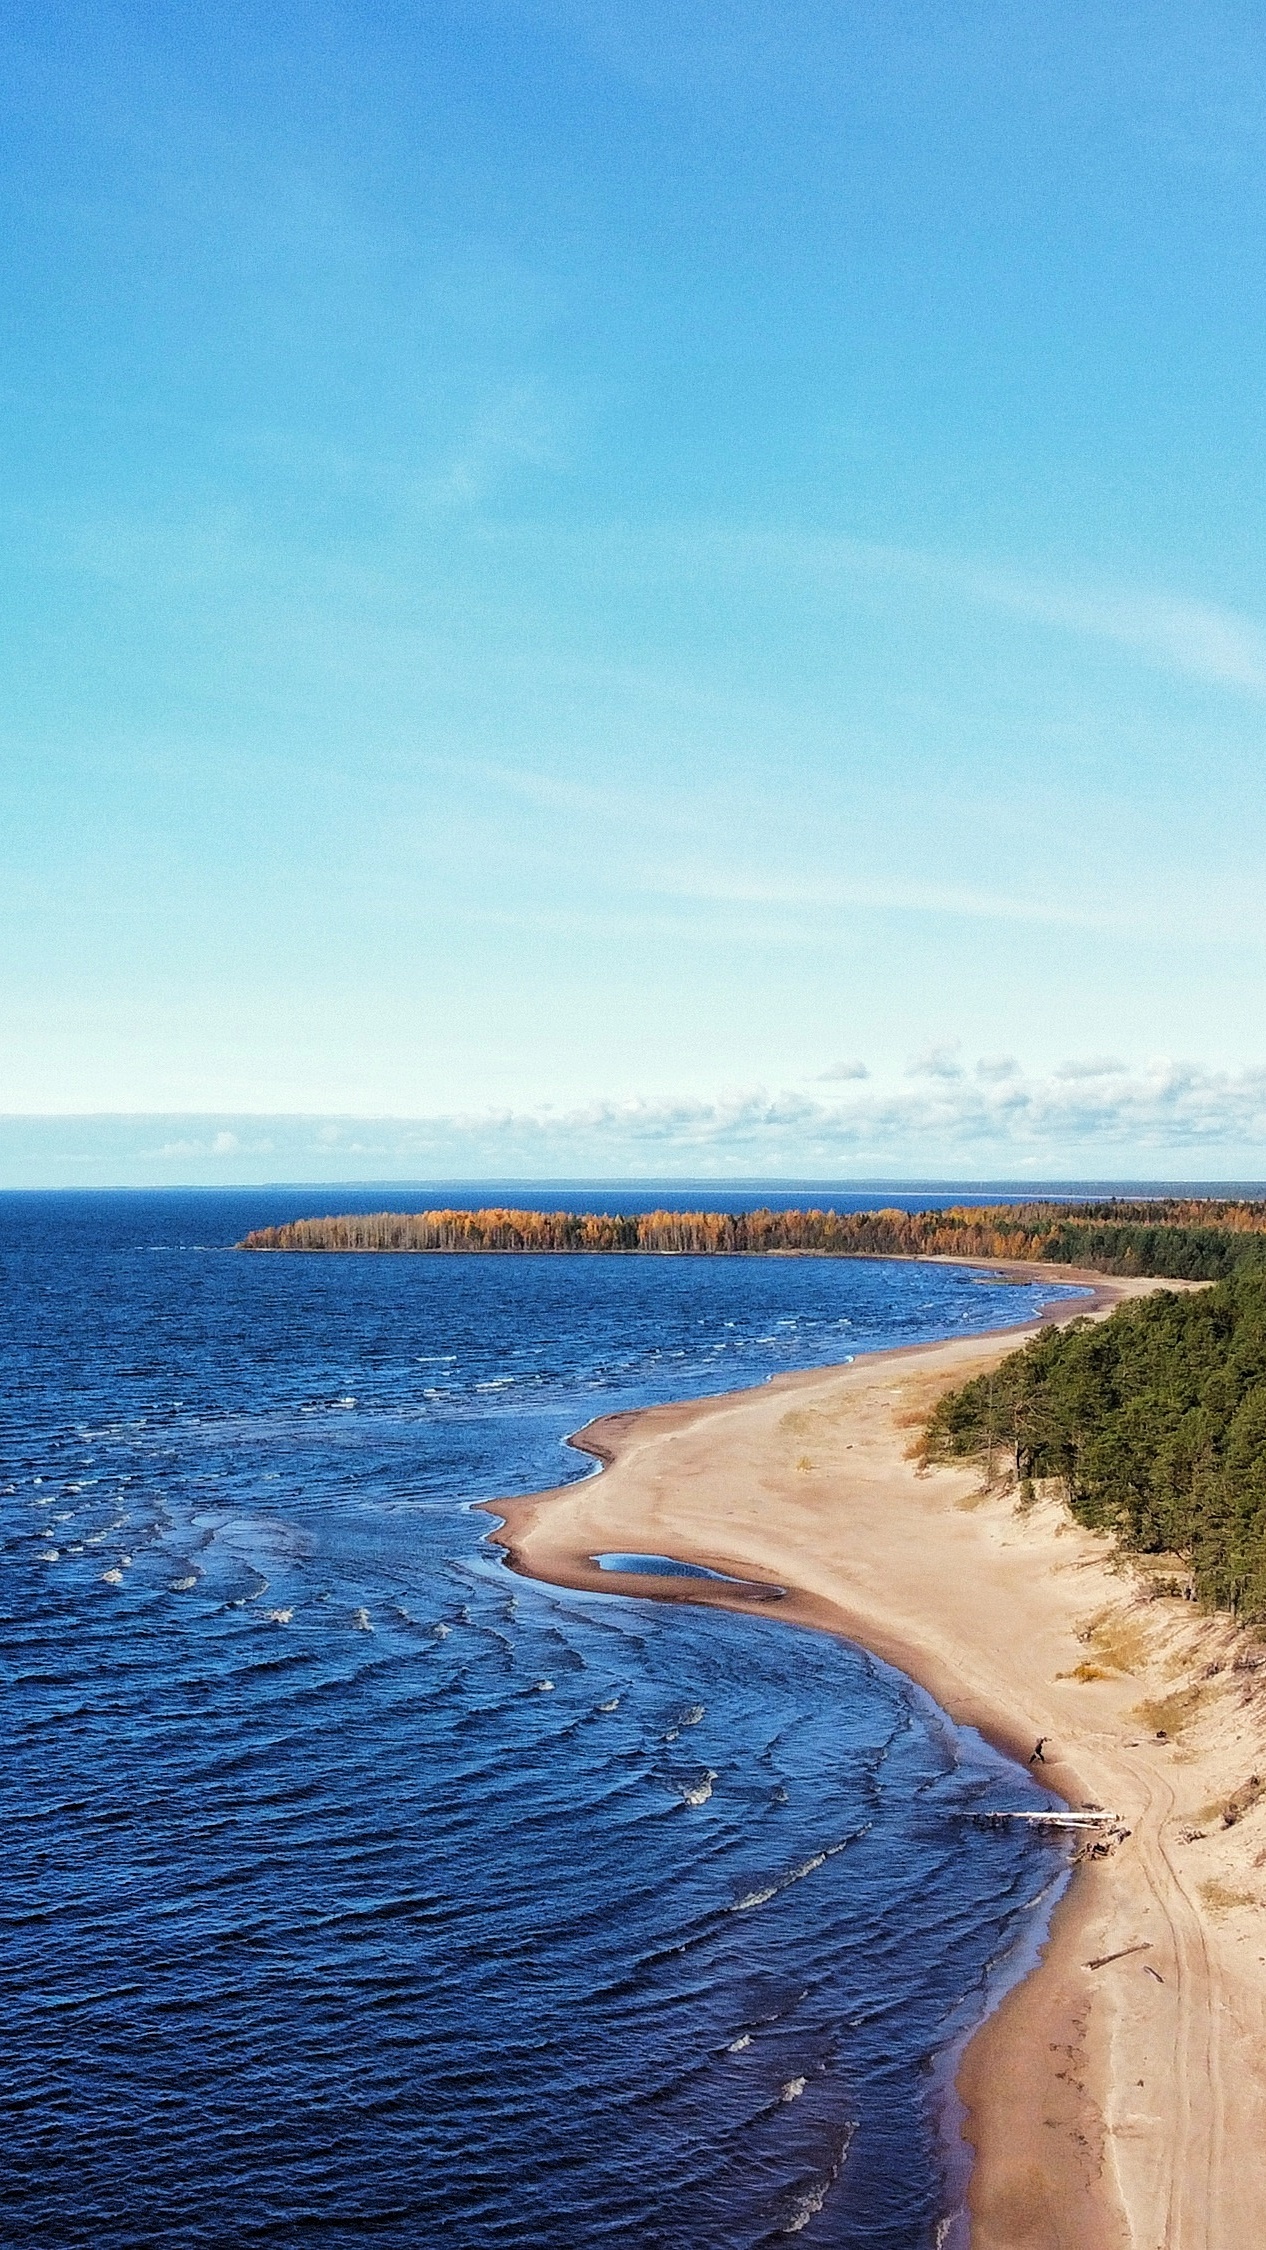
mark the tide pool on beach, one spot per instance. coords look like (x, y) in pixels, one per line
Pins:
(359, 1889)
(666, 1566)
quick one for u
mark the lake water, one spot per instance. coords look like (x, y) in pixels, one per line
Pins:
(357, 1892)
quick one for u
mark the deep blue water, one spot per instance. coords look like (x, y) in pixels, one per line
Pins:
(358, 1892)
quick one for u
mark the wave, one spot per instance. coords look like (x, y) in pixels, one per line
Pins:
(797, 1874)
(755, 1898)
(809, 2202)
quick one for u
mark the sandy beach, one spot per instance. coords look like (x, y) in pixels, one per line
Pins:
(1118, 2095)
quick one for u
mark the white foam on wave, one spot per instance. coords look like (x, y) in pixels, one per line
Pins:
(755, 1898)
(794, 1875)
(183, 1585)
(736, 2046)
(279, 1616)
(612, 1705)
(112, 1578)
(691, 1717)
(792, 2089)
(544, 1687)
(49, 1554)
(806, 2207)
(808, 2204)
(701, 1791)
(441, 1632)
(362, 1620)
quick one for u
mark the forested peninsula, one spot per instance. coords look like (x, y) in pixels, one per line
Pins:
(1180, 1239)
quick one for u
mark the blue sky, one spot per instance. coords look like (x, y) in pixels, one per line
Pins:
(627, 588)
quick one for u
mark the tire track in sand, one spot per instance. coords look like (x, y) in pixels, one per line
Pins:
(1193, 2210)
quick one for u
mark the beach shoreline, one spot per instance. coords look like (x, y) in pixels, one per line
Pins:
(1109, 2105)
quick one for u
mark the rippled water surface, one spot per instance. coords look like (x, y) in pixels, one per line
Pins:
(358, 1892)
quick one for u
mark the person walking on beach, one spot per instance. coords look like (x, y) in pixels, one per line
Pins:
(1036, 1755)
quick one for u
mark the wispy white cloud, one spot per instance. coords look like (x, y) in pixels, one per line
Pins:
(1201, 639)
(719, 886)
(1194, 637)
(516, 428)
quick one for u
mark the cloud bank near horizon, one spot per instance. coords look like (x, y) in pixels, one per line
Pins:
(1094, 1117)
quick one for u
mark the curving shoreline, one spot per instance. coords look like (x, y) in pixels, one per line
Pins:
(1109, 2106)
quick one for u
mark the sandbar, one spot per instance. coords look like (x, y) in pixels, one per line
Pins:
(1116, 2100)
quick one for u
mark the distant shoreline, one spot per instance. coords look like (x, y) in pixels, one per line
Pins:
(1181, 1237)
(805, 1484)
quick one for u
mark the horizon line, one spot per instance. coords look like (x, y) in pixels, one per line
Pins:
(1082, 1185)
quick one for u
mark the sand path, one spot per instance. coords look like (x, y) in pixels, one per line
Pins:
(1123, 2103)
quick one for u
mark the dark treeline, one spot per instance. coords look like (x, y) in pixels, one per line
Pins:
(1176, 1253)
(1153, 1421)
(1181, 1240)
